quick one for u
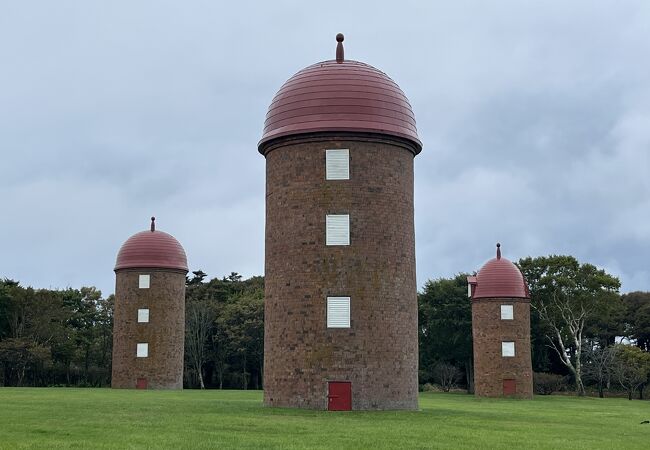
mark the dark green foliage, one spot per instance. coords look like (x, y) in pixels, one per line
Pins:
(235, 341)
(548, 383)
(445, 328)
(631, 367)
(64, 337)
(50, 337)
(637, 318)
(576, 303)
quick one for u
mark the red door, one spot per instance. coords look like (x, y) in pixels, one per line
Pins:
(509, 387)
(339, 396)
(141, 384)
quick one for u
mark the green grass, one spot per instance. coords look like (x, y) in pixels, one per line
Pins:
(103, 418)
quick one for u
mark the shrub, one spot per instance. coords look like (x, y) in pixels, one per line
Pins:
(447, 375)
(428, 387)
(547, 383)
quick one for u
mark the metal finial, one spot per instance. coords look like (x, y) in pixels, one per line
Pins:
(339, 48)
(498, 251)
(153, 223)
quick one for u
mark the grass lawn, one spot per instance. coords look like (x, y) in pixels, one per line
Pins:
(104, 418)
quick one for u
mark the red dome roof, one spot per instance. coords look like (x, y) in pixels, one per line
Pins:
(500, 278)
(151, 249)
(340, 95)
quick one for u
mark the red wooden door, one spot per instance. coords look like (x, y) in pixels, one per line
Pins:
(141, 384)
(339, 396)
(509, 387)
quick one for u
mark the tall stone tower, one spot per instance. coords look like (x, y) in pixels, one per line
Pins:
(501, 330)
(340, 325)
(149, 317)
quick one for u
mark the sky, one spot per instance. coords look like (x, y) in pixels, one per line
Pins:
(534, 115)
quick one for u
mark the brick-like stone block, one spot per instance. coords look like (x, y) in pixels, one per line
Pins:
(378, 354)
(489, 331)
(165, 331)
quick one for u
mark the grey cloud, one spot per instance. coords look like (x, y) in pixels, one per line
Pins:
(534, 118)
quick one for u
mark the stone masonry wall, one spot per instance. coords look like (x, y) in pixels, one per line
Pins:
(165, 332)
(378, 354)
(490, 368)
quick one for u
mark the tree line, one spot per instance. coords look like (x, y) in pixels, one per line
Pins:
(64, 337)
(54, 337)
(585, 336)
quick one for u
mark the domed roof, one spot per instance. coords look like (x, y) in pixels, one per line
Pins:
(151, 249)
(340, 96)
(500, 278)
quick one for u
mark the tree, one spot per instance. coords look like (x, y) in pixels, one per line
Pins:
(637, 318)
(445, 327)
(243, 324)
(199, 318)
(234, 277)
(17, 355)
(446, 375)
(631, 367)
(198, 277)
(598, 365)
(568, 296)
(84, 315)
(47, 335)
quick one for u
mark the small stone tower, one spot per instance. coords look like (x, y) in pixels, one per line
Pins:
(149, 317)
(340, 325)
(501, 330)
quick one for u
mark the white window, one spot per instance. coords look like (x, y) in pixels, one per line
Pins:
(469, 290)
(338, 229)
(143, 315)
(337, 164)
(144, 281)
(507, 312)
(508, 349)
(338, 312)
(142, 350)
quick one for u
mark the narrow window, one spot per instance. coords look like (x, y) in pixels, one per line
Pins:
(337, 164)
(507, 312)
(508, 349)
(143, 281)
(338, 229)
(142, 350)
(338, 312)
(143, 315)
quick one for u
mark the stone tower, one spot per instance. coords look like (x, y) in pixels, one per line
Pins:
(149, 318)
(501, 330)
(340, 325)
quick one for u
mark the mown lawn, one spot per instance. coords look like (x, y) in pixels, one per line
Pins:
(103, 418)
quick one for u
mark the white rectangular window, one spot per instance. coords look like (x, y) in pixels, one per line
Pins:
(142, 350)
(143, 281)
(469, 290)
(143, 315)
(507, 312)
(508, 349)
(338, 229)
(338, 312)
(337, 164)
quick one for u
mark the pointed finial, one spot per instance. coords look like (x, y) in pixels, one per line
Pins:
(339, 48)
(498, 251)
(153, 223)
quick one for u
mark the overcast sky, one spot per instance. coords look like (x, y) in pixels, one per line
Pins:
(535, 120)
